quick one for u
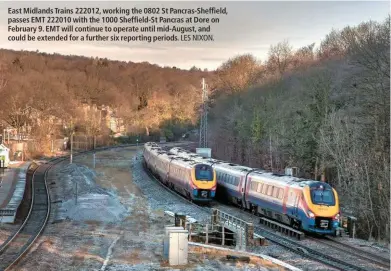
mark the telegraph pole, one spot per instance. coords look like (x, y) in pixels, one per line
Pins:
(71, 156)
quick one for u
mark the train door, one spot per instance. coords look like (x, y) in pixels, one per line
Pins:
(296, 208)
(293, 202)
(244, 191)
(241, 187)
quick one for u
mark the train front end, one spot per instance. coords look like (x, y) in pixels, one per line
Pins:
(203, 183)
(322, 212)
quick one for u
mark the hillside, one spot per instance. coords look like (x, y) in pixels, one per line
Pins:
(144, 95)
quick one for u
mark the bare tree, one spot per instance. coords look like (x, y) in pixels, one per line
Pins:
(238, 73)
(280, 57)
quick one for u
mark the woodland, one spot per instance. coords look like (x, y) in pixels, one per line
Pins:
(324, 109)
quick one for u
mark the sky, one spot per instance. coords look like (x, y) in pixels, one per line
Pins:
(249, 27)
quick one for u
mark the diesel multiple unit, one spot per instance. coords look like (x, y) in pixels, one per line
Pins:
(309, 205)
(192, 179)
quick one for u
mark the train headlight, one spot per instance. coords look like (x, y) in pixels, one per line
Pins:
(310, 214)
(195, 192)
(337, 217)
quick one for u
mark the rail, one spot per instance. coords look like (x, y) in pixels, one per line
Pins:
(308, 252)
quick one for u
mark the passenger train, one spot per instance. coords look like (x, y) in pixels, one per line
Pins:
(194, 180)
(308, 205)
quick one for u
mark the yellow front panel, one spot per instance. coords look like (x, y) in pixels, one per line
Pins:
(203, 184)
(321, 210)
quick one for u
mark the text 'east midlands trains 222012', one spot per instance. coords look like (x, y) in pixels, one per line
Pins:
(113, 24)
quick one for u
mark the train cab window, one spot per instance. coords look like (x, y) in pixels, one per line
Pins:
(269, 190)
(322, 194)
(237, 181)
(281, 193)
(204, 172)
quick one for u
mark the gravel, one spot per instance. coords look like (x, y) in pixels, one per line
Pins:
(83, 200)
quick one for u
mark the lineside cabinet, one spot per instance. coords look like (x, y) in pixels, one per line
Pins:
(175, 245)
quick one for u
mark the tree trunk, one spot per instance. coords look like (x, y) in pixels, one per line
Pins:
(316, 169)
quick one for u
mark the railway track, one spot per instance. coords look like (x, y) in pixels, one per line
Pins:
(354, 251)
(19, 242)
(13, 249)
(315, 254)
(308, 252)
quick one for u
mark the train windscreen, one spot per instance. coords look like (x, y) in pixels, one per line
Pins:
(322, 194)
(204, 173)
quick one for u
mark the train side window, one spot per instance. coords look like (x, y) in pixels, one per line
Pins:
(275, 191)
(269, 190)
(237, 181)
(264, 189)
(260, 185)
(281, 193)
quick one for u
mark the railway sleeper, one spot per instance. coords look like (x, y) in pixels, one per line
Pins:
(282, 228)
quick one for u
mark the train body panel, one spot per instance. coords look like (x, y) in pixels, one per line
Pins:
(306, 204)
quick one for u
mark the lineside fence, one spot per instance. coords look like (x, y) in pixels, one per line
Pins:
(223, 229)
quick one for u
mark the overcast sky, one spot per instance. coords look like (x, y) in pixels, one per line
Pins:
(249, 27)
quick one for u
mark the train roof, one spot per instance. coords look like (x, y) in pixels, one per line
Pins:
(156, 150)
(260, 173)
